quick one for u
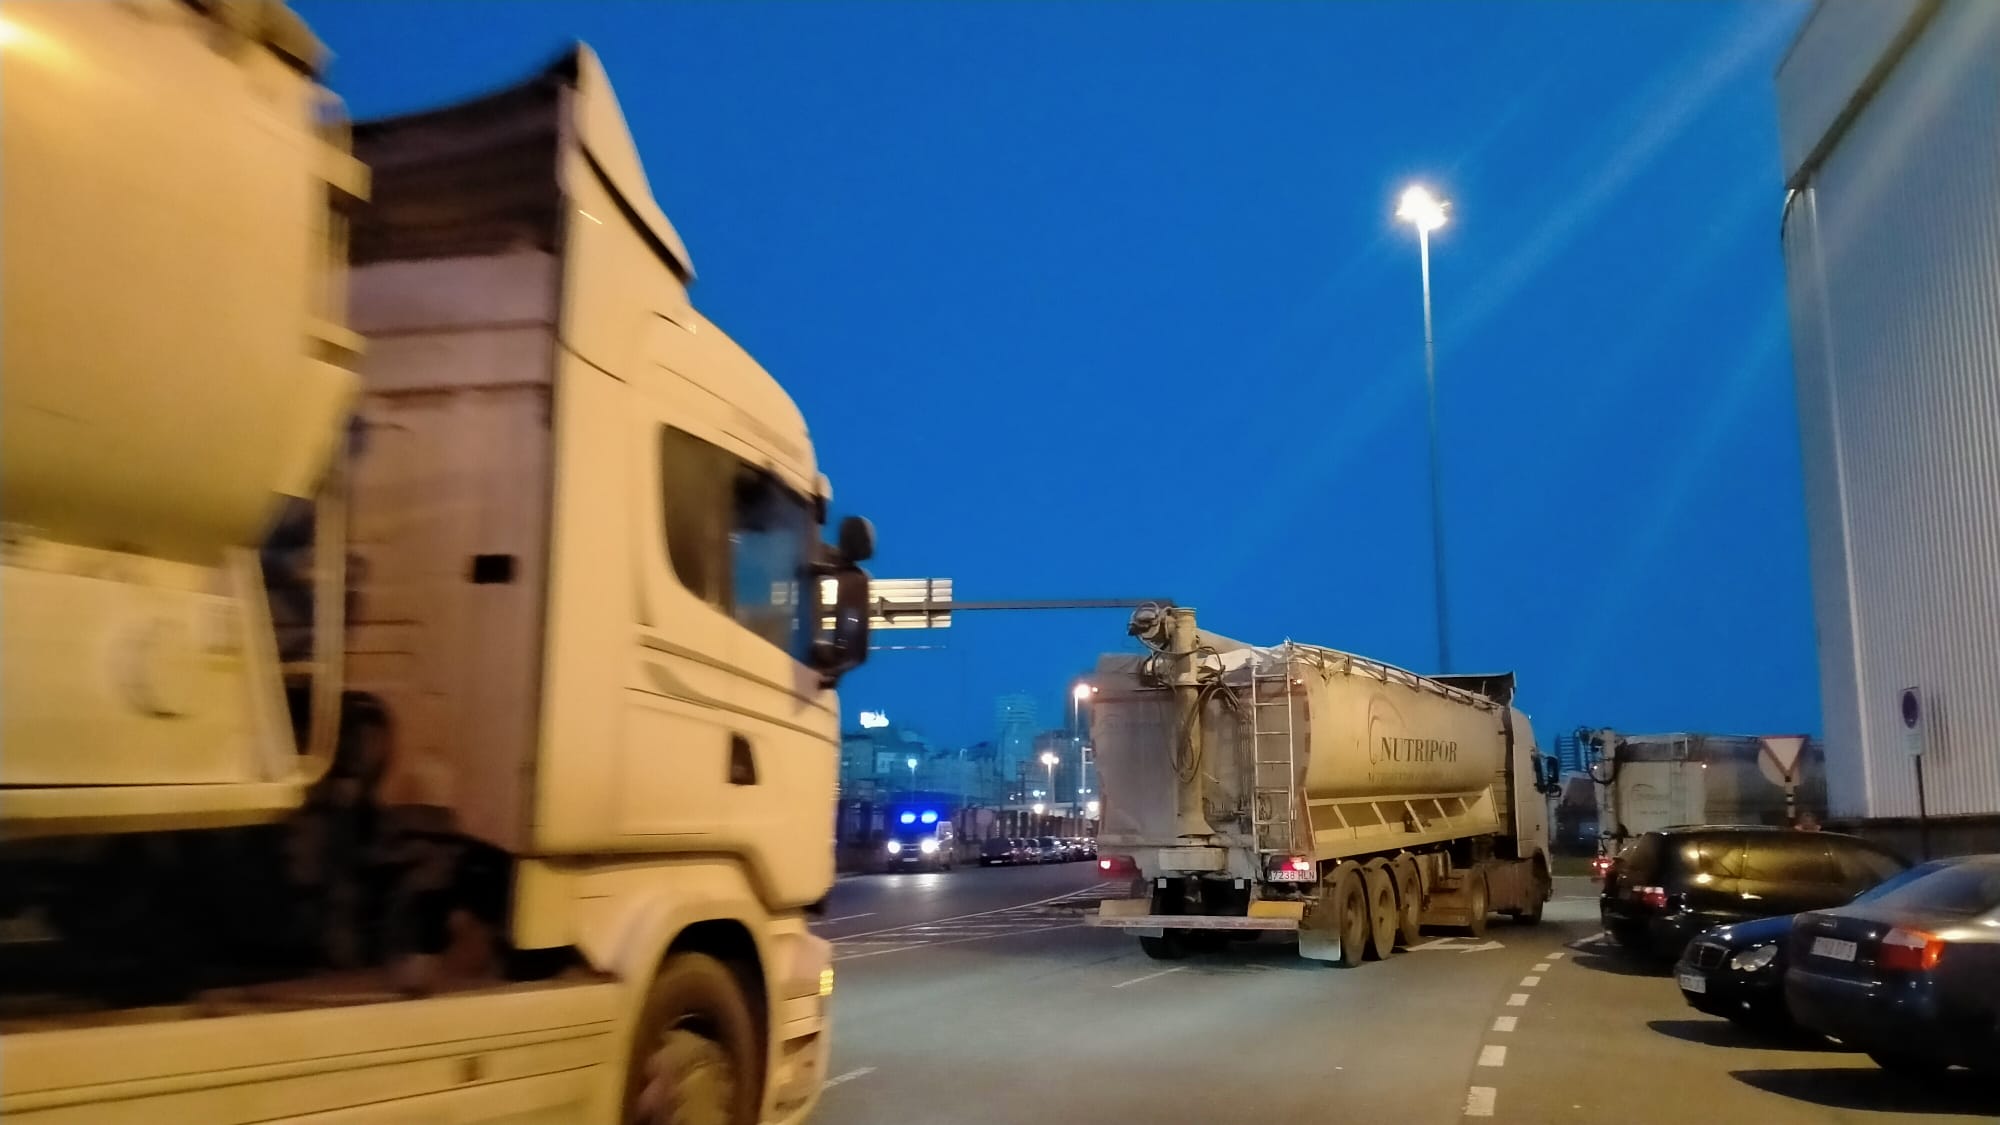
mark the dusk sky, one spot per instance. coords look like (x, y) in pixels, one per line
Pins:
(1107, 300)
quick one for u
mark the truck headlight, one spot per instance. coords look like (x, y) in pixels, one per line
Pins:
(1754, 958)
(895, 847)
(929, 845)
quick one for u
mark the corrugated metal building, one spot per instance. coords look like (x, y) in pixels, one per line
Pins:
(1890, 128)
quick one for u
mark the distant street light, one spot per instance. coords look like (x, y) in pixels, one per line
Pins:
(1049, 759)
(912, 763)
(1077, 696)
(1039, 807)
(1426, 212)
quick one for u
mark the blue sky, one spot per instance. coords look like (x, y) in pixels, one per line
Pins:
(1104, 300)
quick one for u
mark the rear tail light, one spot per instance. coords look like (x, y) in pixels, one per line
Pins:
(1292, 869)
(1910, 951)
(1104, 865)
(1655, 897)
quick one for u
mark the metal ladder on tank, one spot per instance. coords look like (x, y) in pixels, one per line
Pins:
(1274, 775)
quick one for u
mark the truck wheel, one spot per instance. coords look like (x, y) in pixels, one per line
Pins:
(695, 1053)
(1382, 918)
(1476, 904)
(1409, 900)
(1538, 894)
(1351, 917)
(1166, 947)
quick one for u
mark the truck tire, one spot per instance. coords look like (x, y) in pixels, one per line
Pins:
(1166, 947)
(1409, 900)
(1476, 904)
(1350, 902)
(1538, 897)
(1380, 888)
(695, 1052)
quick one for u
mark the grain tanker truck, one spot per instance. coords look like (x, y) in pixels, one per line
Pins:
(415, 679)
(1301, 789)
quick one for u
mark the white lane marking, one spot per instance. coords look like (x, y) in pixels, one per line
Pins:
(1518, 1000)
(1479, 1101)
(953, 941)
(1530, 982)
(1149, 976)
(1542, 968)
(1556, 956)
(1493, 1055)
(981, 913)
(848, 1077)
(1505, 1023)
(844, 918)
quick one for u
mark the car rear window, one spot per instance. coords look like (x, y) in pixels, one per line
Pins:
(1963, 889)
(1640, 861)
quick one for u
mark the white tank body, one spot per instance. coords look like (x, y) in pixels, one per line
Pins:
(1367, 747)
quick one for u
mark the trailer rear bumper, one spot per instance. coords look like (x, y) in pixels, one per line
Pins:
(1130, 914)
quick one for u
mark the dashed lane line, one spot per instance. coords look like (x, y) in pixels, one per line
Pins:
(1493, 1055)
(1542, 968)
(1505, 1023)
(1479, 1101)
(850, 1076)
(1518, 1000)
(1149, 976)
(1530, 982)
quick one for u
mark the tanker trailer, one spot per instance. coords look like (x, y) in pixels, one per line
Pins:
(1302, 789)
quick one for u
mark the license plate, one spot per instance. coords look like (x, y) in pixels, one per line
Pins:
(1833, 949)
(1693, 982)
(1287, 875)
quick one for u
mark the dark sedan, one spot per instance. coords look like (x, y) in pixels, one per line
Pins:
(1669, 885)
(1911, 976)
(1738, 971)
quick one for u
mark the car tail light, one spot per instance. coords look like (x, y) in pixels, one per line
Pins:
(1655, 897)
(1104, 865)
(1600, 867)
(1910, 951)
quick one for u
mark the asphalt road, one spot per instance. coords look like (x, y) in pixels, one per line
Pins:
(980, 996)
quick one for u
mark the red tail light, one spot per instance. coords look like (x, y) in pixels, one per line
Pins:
(1910, 951)
(1655, 897)
(1300, 863)
(1104, 865)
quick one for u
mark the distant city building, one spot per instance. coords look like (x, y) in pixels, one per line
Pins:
(1015, 720)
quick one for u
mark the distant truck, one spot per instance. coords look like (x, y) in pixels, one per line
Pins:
(417, 696)
(1646, 782)
(1301, 789)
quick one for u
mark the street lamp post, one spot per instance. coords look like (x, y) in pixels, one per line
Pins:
(912, 763)
(1077, 696)
(1426, 212)
(1049, 759)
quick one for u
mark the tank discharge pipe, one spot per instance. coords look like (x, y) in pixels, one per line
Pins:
(1170, 633)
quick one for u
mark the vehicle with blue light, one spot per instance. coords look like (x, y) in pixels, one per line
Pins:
(921, 838)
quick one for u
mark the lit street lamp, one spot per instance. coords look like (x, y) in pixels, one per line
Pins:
(1077, 696)
(1049, 759)
(1426, 212)
(912, 763)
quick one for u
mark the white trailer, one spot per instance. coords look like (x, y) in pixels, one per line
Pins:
(478, 766)
(1301, 789)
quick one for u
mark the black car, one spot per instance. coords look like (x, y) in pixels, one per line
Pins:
(1669, 885)
(1911, 976)
(1738, 971)
(997, 851)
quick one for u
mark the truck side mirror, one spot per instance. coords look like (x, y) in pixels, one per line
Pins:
(844, 647)
(856, 540)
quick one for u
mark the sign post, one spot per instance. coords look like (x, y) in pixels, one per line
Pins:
(1911, 705)
(1779, 761)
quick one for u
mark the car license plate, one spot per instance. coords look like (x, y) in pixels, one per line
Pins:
(1833, 949)
(1693, 982)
